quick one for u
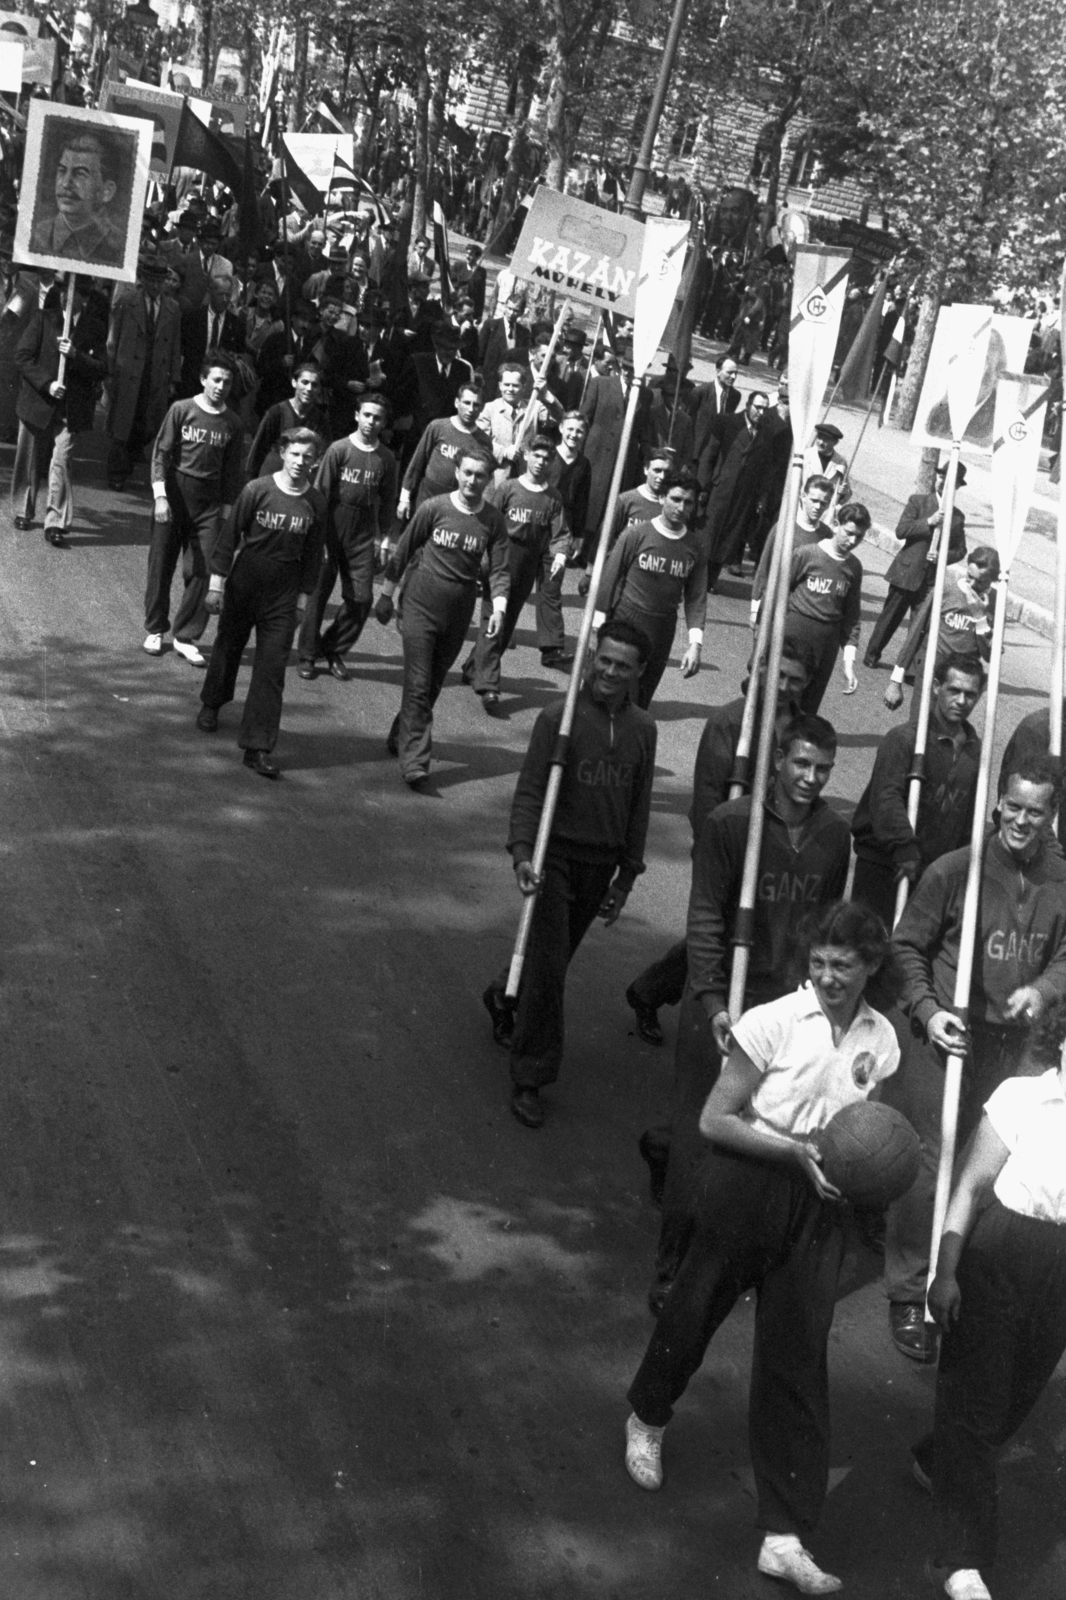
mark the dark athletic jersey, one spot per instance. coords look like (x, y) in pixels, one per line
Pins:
(431, 469)
(632, 506)
(535, 517)
(200, 444)
(651, 573)
(264, 457)
(267, 521)
(362, 482)
(827, 590)
(452, 543)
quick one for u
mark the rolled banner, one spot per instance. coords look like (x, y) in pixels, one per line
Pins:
(1021, 403)
(662, 261)
(819, 286)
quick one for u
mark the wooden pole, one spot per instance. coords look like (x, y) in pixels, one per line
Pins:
(1058, 650)
(526, 425)
(865, 420)
(592, 356)
(559, 754)
(916, 775)
(68, 318)
(738, 779)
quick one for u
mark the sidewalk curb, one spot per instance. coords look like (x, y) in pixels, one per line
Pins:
(1039, 619)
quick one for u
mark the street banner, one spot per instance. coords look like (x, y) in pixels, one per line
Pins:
(10, 66)
(819, 286)
(585, 252)
(159, 107)
(1021, 406)
(314, 153)
(973, 346)
(689, 303)
(662, 261)
(39, 61)
(856, 370)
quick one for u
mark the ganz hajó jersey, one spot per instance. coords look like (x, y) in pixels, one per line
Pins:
(826, 589)
(431, 469)
(535, 517)
(452, 543)
(200, 444)
(650, 573)
(269, 522)
(358, 484)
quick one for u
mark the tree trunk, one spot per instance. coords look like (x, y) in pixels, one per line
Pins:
(439, 74)
(420, 175)
(911, 388)
(299, 75)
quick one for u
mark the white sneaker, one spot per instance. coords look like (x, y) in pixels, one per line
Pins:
(191, 652)
(966, 1584)
(644, 1453)
(153, 645)
(782, 1556)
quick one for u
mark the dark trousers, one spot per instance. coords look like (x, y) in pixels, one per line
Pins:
(551, 633)
(260, 594)
(875, 885)
(821, 641)
(190, 533)
(525, 565)
(436, 616)
(123, 454)
(917, 1090)
(349, 556)
(659, 632)
(697, 1066)
(899, 604)
(570, 896)
(762, 1227)
(663, 983)
(994, 1364)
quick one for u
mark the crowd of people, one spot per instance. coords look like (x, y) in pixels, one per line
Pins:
(313, 419)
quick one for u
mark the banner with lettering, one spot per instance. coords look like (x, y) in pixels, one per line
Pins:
(581, 250)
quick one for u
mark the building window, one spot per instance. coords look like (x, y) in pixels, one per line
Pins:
(808, 169)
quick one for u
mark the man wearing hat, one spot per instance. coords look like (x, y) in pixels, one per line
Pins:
(144, 361)
(913, 572)
(440, 375)
(824, 459)
(203, 262)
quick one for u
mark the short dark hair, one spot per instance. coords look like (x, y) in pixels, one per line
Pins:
(307, 366)
(540, 441)
(575, 416)
(971, 666)
(792, 650)
(217, 358)
(1040, 769)
(817, 481)
(476, 453)
(983, 555)
(471, 387)
(807, 728)
(850, 925)
(854, 512)
(382, 402)
(511, 366)
(623, 632)
(678, 478)
(100, 146)
(660, 452)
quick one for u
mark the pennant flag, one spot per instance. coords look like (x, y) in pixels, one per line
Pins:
(441, 253)
(326, 110)
(249, 221)
(662, 261)
(346, 177)
(686, 308)
(894, 347)
(1021, 405)
(197, 146)
(853, 385)
(952, 381)
(298, 183)
(819, 285)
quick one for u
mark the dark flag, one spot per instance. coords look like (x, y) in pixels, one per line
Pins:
(441, 253)
(686, 308)
(249, 221)
(853, 385)
(198, 147)
(298, 183)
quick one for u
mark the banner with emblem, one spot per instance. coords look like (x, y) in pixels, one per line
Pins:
(1021, 406)
(662, 262)
(819, 286)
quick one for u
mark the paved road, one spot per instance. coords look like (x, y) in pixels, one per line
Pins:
(290, 1306)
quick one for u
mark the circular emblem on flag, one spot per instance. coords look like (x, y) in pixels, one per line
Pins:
(1018, 431)
(815, 307)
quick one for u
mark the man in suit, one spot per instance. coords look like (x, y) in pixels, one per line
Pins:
(502, 339)
(731, 476)
(912, 573)
(52, 413)
(144, 360)
(387, 353)
(204, 262)
(440, 376)
(718, 398)
(345, 368)
(209, 327)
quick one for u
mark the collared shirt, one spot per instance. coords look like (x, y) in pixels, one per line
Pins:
(806, 1078)
(1029, 1115)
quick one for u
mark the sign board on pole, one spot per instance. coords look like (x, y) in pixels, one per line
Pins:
(1002, 349)
(1021, 405)
(661, 263)
(39, 61)
(157, 106)
(819, 285)
(10, 66)
(585, 252)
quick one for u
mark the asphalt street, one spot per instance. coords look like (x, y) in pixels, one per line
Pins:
(290, 1306)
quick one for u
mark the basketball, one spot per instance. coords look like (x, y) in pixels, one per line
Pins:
(870, 1152)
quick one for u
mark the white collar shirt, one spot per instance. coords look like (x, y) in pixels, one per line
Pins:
(1029, 1115)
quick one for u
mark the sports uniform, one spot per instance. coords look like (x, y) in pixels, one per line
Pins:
(647, 576)
(536, 528)
(431, 470)
(264, 457)
(824, 608)
(359, 486)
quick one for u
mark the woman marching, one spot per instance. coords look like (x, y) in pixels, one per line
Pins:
(770, 1220)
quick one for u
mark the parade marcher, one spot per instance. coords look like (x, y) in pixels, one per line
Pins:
(570, 473)
(718, 398)
(344, 364)
(809, 529)
(913, 571)
(440, 374)
(144, 363)
(357, 479)
(663, 983)
(211, 326)
(595, 852)
(887, 848)
(999, 1298)
(1031, 738)
(196, 474)
(803, 862)
(1019, 967)
(279, 356)
(204, 262)
(51, 414)
(776, 452)
(825, 602)
(502, 418)
(967, 617)
(263, 569)
(641, 504)
(303, 410)
(536, 528)
(732, 477)
(823, 459)
(769, 1220)
(502, 339)
(432, 469)
(603, 409)
(654, 568)
(451, 535)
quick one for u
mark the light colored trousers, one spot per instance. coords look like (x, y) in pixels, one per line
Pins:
(35, 448)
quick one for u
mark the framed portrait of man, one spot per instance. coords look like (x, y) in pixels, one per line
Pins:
(83, 189)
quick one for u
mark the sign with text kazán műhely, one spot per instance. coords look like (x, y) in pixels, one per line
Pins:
(580, 250)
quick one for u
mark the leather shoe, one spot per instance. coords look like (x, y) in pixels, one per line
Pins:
(260, 762)
(526, 1106)
(555, 658)
(55, 536)
(207, 721)
(872, 662)
(22, 523)
(501, 1010)
(647, 1019)
(307, 670)
(338, 670)
(490, 700)
(912, 1336)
